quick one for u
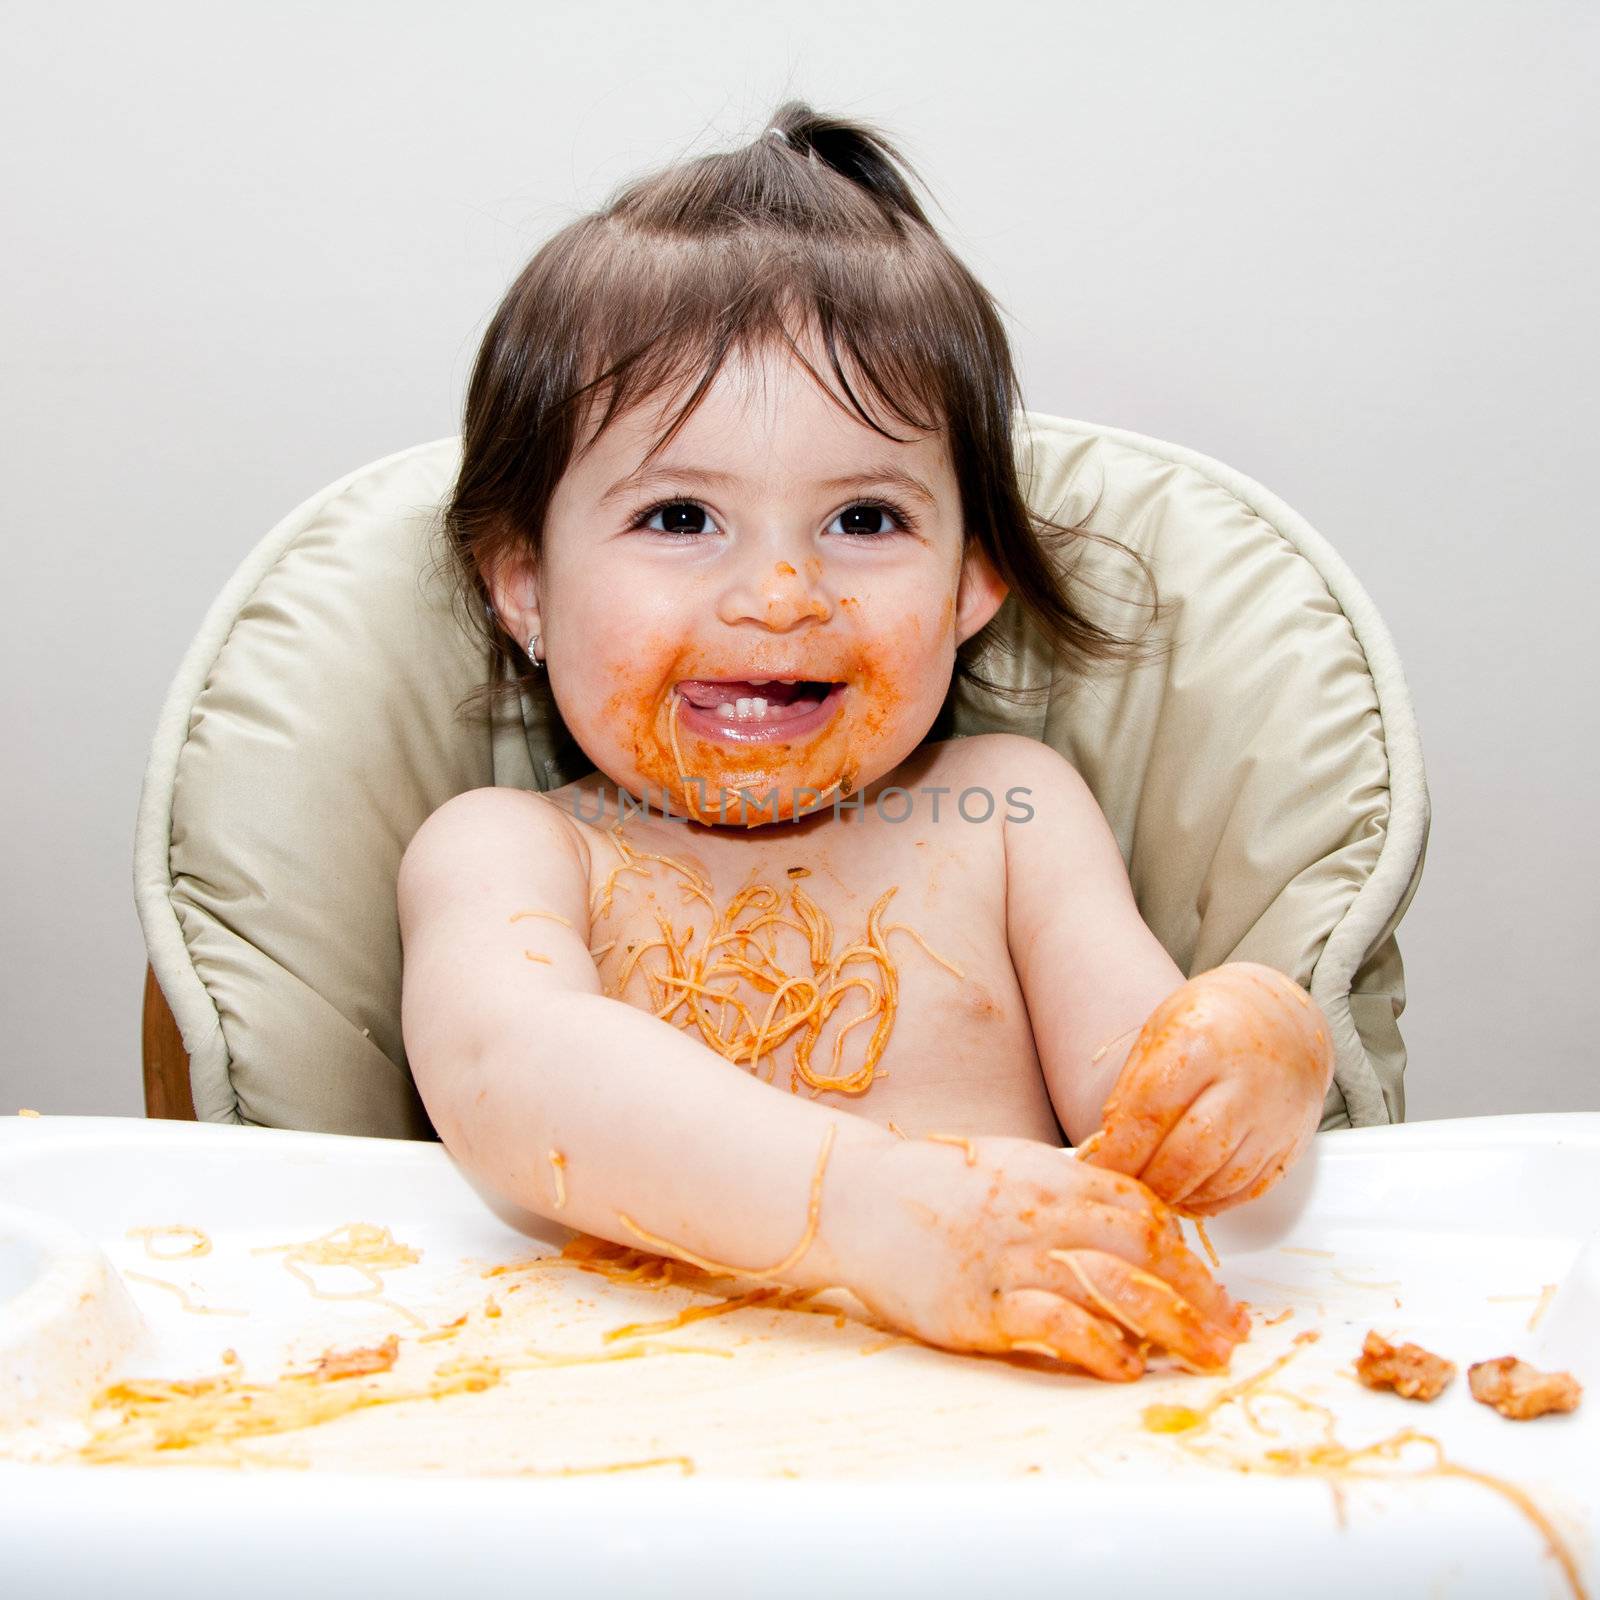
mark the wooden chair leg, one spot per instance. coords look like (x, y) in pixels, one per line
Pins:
(166, 1062)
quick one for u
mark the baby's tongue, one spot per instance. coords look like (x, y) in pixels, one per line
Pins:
(709, 693)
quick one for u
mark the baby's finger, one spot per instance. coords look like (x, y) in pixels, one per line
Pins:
(1117, 1191)
(1196, 1147)
(1248, 1177)
(1272, 1169)
(1221, 1177)
(1162, 1252)
(1146, 1104)
(1046, 1324)
(1148, 1307)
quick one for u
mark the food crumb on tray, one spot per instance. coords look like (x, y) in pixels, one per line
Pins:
(1408, 1369)
(1521, 1392)
(358, 1363)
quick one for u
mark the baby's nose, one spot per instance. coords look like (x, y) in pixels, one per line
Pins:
(779, 595)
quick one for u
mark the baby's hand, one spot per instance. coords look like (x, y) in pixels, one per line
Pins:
(1222, 1090)
(1024, 1247)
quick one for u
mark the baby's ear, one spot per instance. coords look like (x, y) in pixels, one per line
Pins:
(513, 585)
(980, 594)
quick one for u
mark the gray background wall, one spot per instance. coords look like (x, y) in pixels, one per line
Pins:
(1349, 249)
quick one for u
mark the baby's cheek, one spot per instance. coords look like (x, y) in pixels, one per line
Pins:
(899, 691)
(607, 706)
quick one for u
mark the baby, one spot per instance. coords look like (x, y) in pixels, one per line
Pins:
(784, 986)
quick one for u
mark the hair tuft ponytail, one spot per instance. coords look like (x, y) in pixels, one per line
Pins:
(855, 150)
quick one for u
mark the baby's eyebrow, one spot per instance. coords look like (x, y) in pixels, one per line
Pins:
(880, 474)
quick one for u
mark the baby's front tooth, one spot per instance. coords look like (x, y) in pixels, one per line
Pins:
(726, 709)
(760, 704)
(744, 706)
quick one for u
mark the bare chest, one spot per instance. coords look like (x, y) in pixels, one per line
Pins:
(865, 968)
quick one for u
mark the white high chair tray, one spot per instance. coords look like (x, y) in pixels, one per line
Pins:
(782, 1450)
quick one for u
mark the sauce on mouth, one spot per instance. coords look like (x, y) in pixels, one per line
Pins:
(685, 747)
(740, 729)
(744, 714)
(711, 693)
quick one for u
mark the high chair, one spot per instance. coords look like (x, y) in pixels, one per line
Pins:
(1264, 781)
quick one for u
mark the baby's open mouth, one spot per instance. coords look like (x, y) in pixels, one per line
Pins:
(757, 708)
(756, 698)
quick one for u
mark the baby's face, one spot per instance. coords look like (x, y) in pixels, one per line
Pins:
(776, 599)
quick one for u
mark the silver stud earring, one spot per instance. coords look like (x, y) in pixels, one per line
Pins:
(533, 651)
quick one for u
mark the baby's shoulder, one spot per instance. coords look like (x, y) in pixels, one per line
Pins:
(1010, 768)
(492, 822)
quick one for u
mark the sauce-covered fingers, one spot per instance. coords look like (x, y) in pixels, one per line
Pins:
(1247, 1177)
(1044, 1323)
(1147, 1306)
(1156, 1245)
(1270, 1171)
(1105, 1186)
(1150, 1099)
(1196, 1148)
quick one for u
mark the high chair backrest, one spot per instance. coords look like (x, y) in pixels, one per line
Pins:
(1264, 780)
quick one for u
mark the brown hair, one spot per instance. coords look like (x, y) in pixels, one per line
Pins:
(712, 255)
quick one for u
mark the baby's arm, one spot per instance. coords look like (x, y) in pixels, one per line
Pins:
(526, 1063)
(1205, 1090)
(578, 1106)
(1090, 968)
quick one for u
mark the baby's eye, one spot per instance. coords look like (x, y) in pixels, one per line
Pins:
(682, 517)
(867, 519)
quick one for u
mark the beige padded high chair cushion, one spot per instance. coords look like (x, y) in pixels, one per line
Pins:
(1265, 782)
